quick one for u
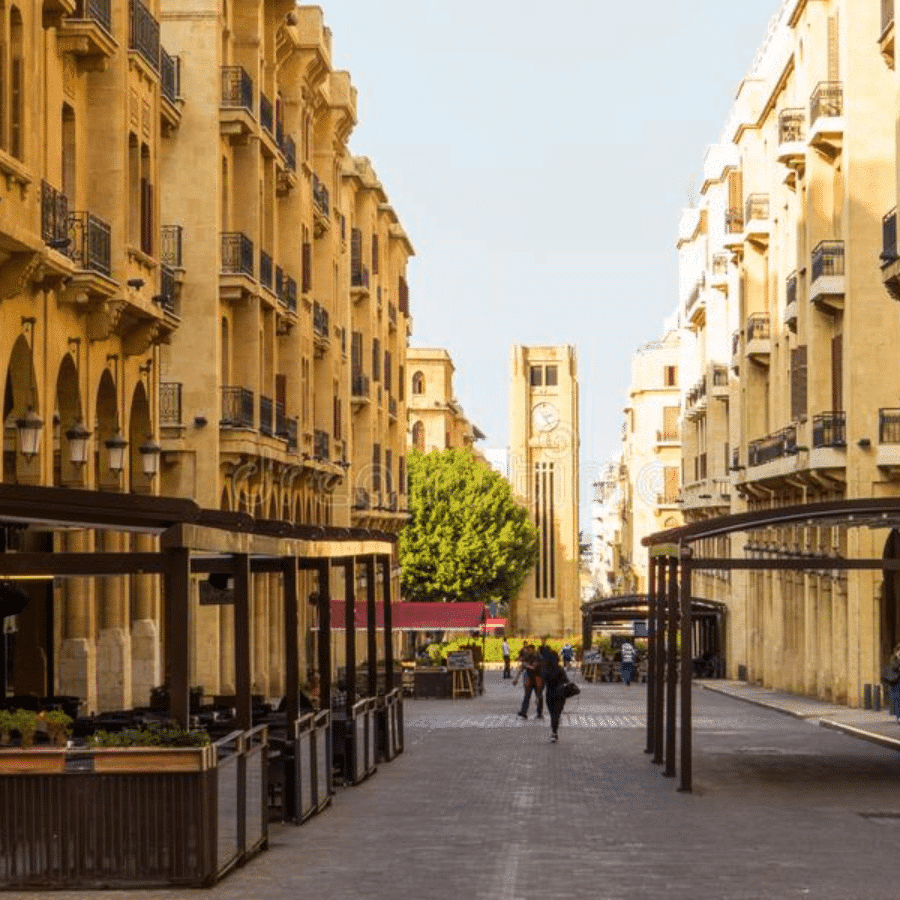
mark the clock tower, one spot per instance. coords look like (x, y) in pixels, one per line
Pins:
(543, 469)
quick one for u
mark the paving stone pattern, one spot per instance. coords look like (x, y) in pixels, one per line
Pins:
(482, 806)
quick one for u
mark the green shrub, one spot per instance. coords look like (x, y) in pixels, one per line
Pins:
(493, 646)
(26, 723)
(154, 735)
(6, 725)
(59, 726)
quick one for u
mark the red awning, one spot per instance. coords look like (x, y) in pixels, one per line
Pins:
(495, 624)
(415, 616)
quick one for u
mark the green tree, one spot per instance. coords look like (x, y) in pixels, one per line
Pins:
(467, 538)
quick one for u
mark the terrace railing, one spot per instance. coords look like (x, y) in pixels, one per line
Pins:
(143, 33)
(170, 403)
(790, 126)
(54, 217)
(888, 426)
(237, 88)
(827, 259)
(99, 11)
(237, 407)
(91, 246)
(830, 429)
(826, 100)
(237, 254)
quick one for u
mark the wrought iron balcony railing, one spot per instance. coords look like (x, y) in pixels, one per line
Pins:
(169, 75)
(289, 149)
(790, 126)
(826, 100)
(237, 88)
(265, 112)
(791, 288)
(735, 459)
(170, 245)
(143, 33)
(360, 384)
(289, 295)
(830, 429)
(359, 276)
(321, 444)
(888, 426)
(320, 196)
(758, 327)
(265, 269)
(99, 11)
(90, 243)
(392, 407)
(392, 315)
(170, 403)
(735, 342)
(291, 433)
(756, 207)
(237, 254)
(827, 259)
(167, 288)
(320, 320)
(889, 238)
(734, 221)
(279, 284)
(720, 375)
(237, 407)
(266, 415)
(773, 446)
(54, 218)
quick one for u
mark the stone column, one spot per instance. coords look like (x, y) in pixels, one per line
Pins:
(114, 639)
(145, 636)
(260, 639)
(77, 662)
(275, 634)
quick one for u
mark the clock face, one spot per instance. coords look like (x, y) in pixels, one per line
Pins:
(544, 417)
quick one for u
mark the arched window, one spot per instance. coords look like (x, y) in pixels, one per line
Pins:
(418, 436)
(418, 383)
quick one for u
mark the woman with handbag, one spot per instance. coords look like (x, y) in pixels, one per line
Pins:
(556, 688)
(890, 675)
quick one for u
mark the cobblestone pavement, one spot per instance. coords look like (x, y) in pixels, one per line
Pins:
(482, 805)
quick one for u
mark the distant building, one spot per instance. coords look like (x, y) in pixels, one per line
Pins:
(606, 529)
(435, 418)
(498, 459)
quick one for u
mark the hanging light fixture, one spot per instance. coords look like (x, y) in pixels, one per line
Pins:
(31, 427)
(77, 437)
(116, 446)
(150, 451)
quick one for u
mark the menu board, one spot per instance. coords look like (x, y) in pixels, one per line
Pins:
(460, 659)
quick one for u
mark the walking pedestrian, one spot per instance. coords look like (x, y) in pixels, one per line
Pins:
(504, 648)
(567, 655)
(627, 669)
(890, 675)
(555, 680)
(531, 671)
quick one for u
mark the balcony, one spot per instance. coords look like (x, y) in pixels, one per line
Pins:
(667, 437)
(54, 218)
(236, 278)
(321, 207)
(695, 306)
(790, 301)
(170, 91)
(774, 446)
(286, 170)
(143, 34)
(889, 441)
(758, 337)
(719, 271)
(237, 408)
(289, 293)
(830, 429)
(87, 35)
(170, 404)
(265, 270)
(826, 289)
(359, 281)
(321, 445)
(321, 331)
(392, 408)
(168, 290)
(756, 219)
(266, 416)
(826, 118)
(236, 114)
(791, 144)
(290, 434)
(889, 258)
(360, 387)
(718, 379)
(886, 41)
(734, 229)
(90, 243)
(266, 117)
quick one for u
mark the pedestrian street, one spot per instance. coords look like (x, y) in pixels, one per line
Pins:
(482, 805)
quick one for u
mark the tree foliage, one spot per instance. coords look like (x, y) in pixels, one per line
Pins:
(467, 538)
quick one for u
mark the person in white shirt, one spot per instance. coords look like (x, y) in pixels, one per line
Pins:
(627, 663)
(505, 649)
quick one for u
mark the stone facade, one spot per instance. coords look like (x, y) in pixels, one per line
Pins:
(195, 270)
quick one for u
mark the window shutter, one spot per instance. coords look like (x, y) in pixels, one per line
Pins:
(671, 484)
(374, 254)
(356, 352)
(798, 383)
(837, 373)
(356, 255)
(306, 268)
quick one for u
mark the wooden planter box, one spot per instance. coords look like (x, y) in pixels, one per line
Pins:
(32, 761)
(153, 759)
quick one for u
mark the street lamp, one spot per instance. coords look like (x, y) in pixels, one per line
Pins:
(78, 436)
(30, 426)
(116, 446)
(150, 451)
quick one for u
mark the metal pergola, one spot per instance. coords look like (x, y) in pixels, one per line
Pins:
(671, 564)
(197, 541)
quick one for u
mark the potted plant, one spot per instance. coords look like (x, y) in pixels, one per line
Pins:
(159, 747)
(6, 725)
(26, 723)
(25, 759)
(59, 726)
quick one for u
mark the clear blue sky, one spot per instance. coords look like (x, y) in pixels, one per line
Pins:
(539, 155)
